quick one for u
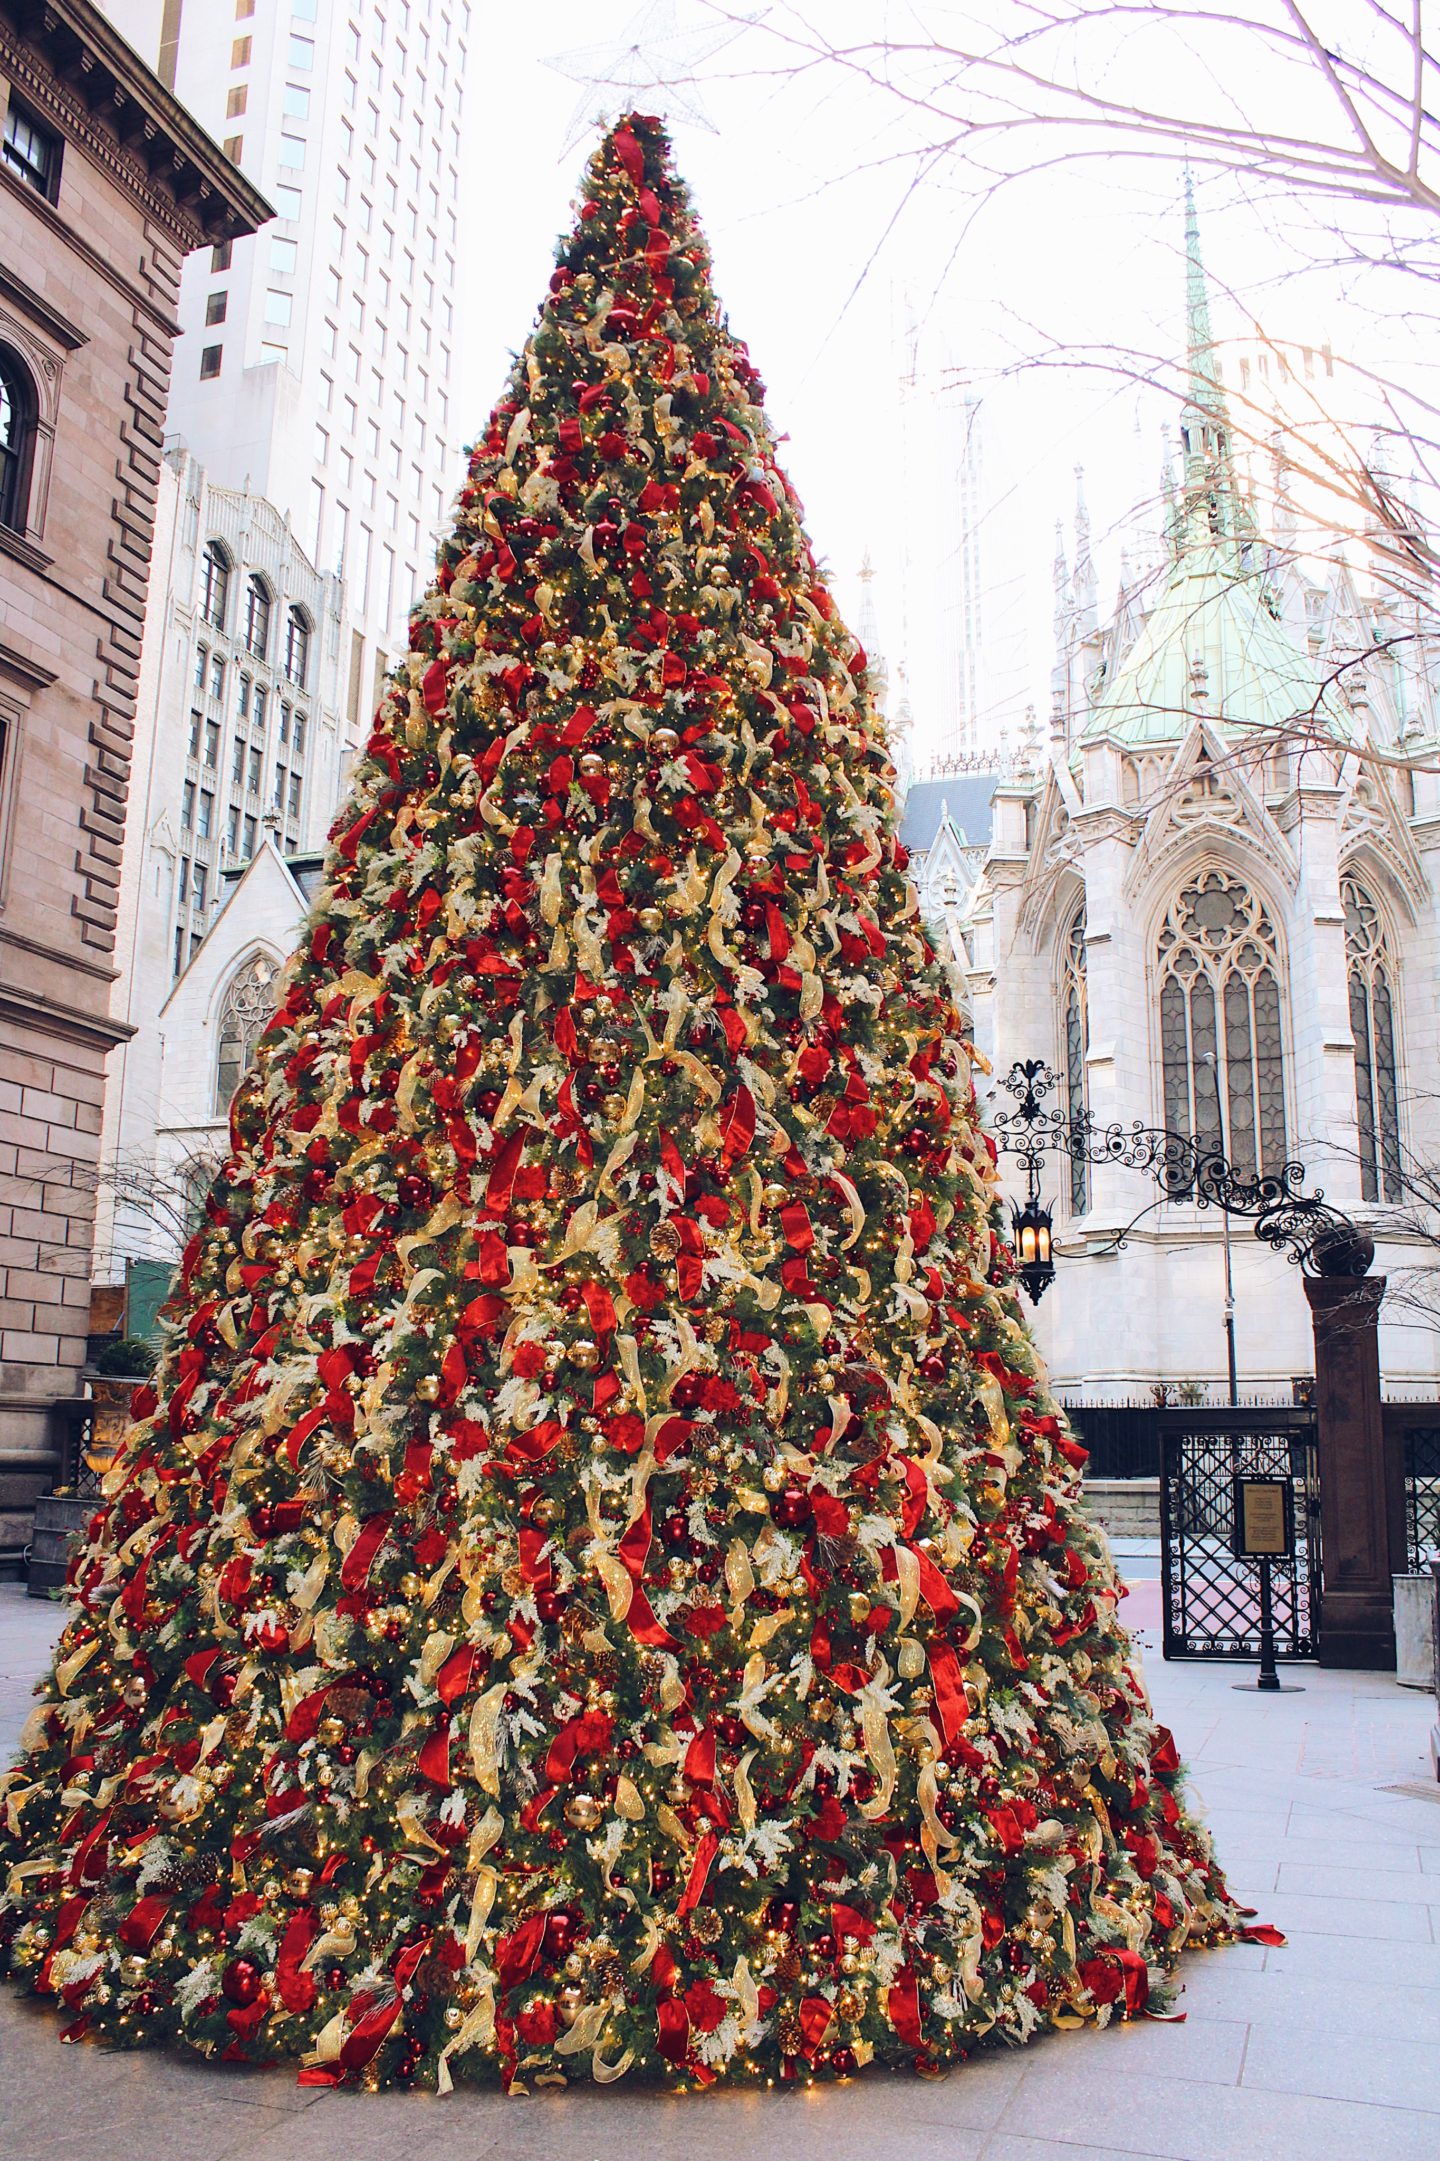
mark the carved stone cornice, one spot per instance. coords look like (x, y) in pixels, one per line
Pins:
(73, 68)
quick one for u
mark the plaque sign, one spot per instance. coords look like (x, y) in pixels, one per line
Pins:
(1264, 1520)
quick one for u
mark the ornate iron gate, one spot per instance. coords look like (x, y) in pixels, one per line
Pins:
(1414, 1428)
(1211, 1599)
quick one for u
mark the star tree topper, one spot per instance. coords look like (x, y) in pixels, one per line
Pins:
(653, 66)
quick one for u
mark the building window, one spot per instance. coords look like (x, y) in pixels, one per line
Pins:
(242, 700)
(220, 255)
(217, 676)
(187, 807)
(32, 151)
(1075, 1015)
(1220, 1027)
(212, 743)
(206, 819)
(232, 831)
(1372, 1022)
(17, 440)
(255, 763)
(293, 800)
(197, 729)
(234, 148)
(299, 733)
(201, 657)
(250, 832)
(201, 885)
(284, 257)
(182, 885)
(236, 101)
(245, 1013)
(215, 307)
(279, 307)
(240, 53)
(237, 761)
(214, 587)
(257, 619)
(210, 358)
(262, 701)
(301, 53)
(297, 648)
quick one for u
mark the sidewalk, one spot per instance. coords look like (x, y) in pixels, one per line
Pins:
(1322, 2051)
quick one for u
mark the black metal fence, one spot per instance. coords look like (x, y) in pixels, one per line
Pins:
(1414, 1428)
(1211, 1599)
(1124, 1438)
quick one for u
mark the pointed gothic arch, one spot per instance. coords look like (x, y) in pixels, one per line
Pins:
(1371, 980)
(1220, 1009)
(245, 1011)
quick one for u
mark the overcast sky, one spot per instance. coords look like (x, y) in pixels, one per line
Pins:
(799, 192)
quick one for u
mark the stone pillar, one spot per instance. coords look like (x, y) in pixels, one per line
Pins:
(1362, 1494)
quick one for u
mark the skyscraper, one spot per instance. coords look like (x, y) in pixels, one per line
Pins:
(317, 366)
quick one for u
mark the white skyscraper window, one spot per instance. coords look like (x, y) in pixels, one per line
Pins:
(279, 307)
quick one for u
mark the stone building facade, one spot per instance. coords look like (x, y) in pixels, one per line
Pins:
(239, 743)
(1212, 903)
(106, 184)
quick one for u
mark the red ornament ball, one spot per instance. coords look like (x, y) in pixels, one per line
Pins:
(241, 1981)
(791, 1507)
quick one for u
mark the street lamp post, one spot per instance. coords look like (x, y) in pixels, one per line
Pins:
(1209, 1058)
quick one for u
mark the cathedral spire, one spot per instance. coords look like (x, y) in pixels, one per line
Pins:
(1205, 419)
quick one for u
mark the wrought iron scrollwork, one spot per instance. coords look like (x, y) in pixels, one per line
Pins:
(1322, 1240)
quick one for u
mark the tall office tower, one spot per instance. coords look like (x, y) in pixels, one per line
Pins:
(317, 367)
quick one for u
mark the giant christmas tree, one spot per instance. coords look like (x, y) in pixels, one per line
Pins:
(598, 1584)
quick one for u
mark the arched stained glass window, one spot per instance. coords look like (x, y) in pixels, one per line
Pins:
(1221, 1039)
(245, 1013)
(1075, 1021)
(1372, 1022)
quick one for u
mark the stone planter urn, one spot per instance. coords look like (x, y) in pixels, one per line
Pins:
(94, 1427)
(1415, 1648)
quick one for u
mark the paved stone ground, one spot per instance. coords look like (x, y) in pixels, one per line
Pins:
(1324, 2051)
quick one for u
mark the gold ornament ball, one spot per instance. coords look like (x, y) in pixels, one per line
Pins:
(651, 920)
(591, 763)
(849, 2006)
(299, 1881)
(584, 1811)
(774, 1196)
(453, 2015)
(427, 1388)
(584, 1355)
(135, 1691)
(849, 1963)
(665, 742)
(569, 2004)
(331, 1731)
(574, 1966)
(774, 1477)
(613, 1107)
(859, 1607)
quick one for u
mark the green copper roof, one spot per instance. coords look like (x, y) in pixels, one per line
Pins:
(1211, 646)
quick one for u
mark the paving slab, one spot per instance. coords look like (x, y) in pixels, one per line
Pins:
(1324, 2048)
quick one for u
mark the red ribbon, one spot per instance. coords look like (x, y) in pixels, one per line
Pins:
(297, 1988)
(950, 1699)
(903, 2004)
(705, 1854)
(355, 1568)
(141, 1924)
